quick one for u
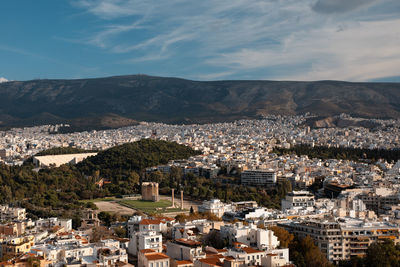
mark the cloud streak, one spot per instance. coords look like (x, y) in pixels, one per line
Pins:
(273, 39)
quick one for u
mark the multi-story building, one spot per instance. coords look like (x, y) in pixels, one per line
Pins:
(11, 214)
(215, 206)
(345, 237)
(259, 178)
(376, 202)
(152, 258)
(55, 222)
(16, 246)
(297, 200)
(185, 249)
(145, 240)
(250, 235)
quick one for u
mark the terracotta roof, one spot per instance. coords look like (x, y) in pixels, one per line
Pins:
(251, 250)
(149, 221)
(183, 262)
(148, 250)
(188, 242)
(222, 250)
(156, 256)
(166, 218)
(214, 261)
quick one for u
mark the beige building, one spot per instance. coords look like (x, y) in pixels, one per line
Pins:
(344, 238)
(17, 246)
(151, 258)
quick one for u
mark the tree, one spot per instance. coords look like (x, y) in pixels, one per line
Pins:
(100, 233)
(214, 239)
(304, 253)
(5, 194)
(105, 217)
(284, 237)
(120, 232)
(384, 254)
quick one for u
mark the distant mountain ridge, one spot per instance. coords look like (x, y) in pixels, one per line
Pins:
(123, 100)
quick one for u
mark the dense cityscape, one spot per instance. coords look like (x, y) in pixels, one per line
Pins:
(342, 207)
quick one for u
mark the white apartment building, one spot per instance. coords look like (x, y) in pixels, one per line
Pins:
(12, 214)
(215, 206)
(52, 222)
(185, 249)
(297, 200)
(152, 258)
(250, 235)
(258, 178)
(145, 240)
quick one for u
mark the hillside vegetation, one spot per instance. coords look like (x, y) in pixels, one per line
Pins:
(57, 191)
(123, 159)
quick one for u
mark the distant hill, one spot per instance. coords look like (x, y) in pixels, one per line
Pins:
(123, 100)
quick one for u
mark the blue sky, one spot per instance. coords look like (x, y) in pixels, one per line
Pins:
(354, 40)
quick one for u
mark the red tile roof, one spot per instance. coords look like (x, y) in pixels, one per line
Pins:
(156, 256)
(149, 221)
(144, 251)
(251, 250)
(214, 261)
(188, 242)
(184, 263)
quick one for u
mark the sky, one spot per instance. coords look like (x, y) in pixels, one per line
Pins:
(352, 40)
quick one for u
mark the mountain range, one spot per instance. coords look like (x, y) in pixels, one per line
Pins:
(124, 100)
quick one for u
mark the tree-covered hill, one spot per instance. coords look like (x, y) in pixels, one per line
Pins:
(51, 192)
(121, 160)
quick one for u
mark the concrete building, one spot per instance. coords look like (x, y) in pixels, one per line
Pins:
(344, 238)
(297, 200)
(55, 222)
(8, 213)
(145, 240)
(250, 235)
(185, 249)
(150, 191)
(16, 246)
(152, 258)
(215, 206)
(259, 178)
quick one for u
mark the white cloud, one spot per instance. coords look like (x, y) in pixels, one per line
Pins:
(3, 80)
(285, 38)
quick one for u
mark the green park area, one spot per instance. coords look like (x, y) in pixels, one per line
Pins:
(161, 206)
